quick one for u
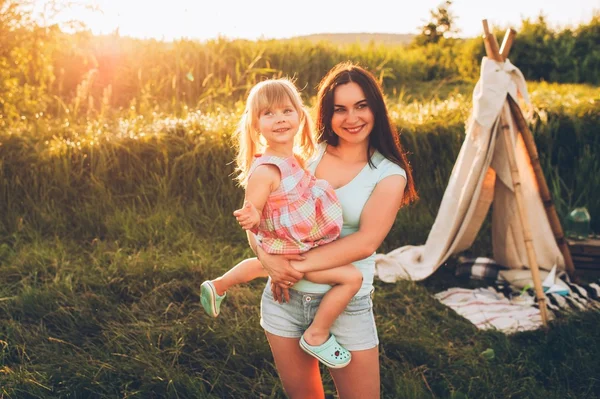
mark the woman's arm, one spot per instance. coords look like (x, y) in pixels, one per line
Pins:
(376, 220)
(278, 266)
(282, 274)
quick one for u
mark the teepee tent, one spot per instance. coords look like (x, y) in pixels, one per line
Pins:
(497, 163)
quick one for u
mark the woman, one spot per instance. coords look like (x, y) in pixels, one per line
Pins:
(361, 157)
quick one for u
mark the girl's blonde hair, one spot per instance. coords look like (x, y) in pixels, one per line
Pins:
(264, 95)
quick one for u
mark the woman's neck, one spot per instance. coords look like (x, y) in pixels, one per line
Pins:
(349, 152)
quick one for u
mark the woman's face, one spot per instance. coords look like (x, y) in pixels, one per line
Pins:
(352, 119)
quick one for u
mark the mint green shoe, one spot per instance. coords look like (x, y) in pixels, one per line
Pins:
(330, 353)
(210, 300)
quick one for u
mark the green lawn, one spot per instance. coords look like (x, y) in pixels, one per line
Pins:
(104, 319)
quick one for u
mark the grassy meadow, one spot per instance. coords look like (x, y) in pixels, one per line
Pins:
(116, 202)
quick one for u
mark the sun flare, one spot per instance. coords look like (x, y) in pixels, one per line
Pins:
(255, 19)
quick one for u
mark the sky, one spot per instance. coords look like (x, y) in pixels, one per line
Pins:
(201, 19)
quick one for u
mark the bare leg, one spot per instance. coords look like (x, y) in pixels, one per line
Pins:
(347, 281)
(299, 372)
(246, 270)
(360, 379)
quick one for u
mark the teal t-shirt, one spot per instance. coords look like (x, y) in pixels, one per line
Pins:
(353, 197)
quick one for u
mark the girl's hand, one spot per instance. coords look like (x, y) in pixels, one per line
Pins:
(279, 269)
(248, 216)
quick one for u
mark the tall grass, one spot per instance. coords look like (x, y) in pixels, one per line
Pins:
(64, 177)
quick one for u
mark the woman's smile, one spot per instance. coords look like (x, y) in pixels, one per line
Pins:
(355, 129)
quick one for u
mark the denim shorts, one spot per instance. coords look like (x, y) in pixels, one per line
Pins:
(354, 329)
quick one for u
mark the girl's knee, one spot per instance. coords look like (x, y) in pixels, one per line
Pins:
(355, 277)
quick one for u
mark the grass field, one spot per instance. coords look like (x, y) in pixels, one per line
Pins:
(108, 225)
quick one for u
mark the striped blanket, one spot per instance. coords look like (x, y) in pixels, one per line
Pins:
(510, 311)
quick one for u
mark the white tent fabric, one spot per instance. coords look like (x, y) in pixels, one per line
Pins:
(482, 175)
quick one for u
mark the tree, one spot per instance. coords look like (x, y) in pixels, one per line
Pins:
(440, 26)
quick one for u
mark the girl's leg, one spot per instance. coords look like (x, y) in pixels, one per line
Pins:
(299, 372)
(346, 281)
(360, 379)
(212, 292)
(246, 270)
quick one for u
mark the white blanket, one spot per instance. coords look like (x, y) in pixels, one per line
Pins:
(489, 309)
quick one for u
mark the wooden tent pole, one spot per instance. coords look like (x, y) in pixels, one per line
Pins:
(559, 235)
(491, 45)
(514, 169)
(486, 40)
(507, 42)
(533, 265)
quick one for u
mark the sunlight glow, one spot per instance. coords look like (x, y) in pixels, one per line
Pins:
(269, 19)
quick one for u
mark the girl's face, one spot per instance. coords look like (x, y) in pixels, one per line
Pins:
(278, 125)
(352, 119)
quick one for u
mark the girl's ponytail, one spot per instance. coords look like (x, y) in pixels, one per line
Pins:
(306, 139)
(246, 138)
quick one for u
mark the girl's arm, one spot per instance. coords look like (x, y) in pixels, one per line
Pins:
(377, 218)
(262, 182)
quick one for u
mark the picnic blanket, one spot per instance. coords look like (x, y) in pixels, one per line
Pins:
(501, 308)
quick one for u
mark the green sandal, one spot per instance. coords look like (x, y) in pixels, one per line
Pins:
(210, 300)
(330, 353)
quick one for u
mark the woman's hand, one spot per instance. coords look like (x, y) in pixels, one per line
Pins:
(279, 269)
(280, 294)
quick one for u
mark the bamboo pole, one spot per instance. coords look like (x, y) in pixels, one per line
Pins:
(516, 178)
(488, 49)
(557, 230)
(507, 42)
(514, 169)
(491, 42)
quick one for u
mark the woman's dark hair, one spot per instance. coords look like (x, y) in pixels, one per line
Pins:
(384, 137)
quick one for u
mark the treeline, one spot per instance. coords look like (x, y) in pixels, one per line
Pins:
(45, 71)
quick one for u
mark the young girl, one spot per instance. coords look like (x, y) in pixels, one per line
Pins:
(287, 209)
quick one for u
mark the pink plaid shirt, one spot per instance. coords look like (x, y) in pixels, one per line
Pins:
(302, 213)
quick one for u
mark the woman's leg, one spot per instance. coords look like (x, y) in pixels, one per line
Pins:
(360, 379)
(246, 270)
(299, 372)
(346, 281)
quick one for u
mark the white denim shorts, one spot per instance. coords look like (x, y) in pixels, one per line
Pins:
(354, 329)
